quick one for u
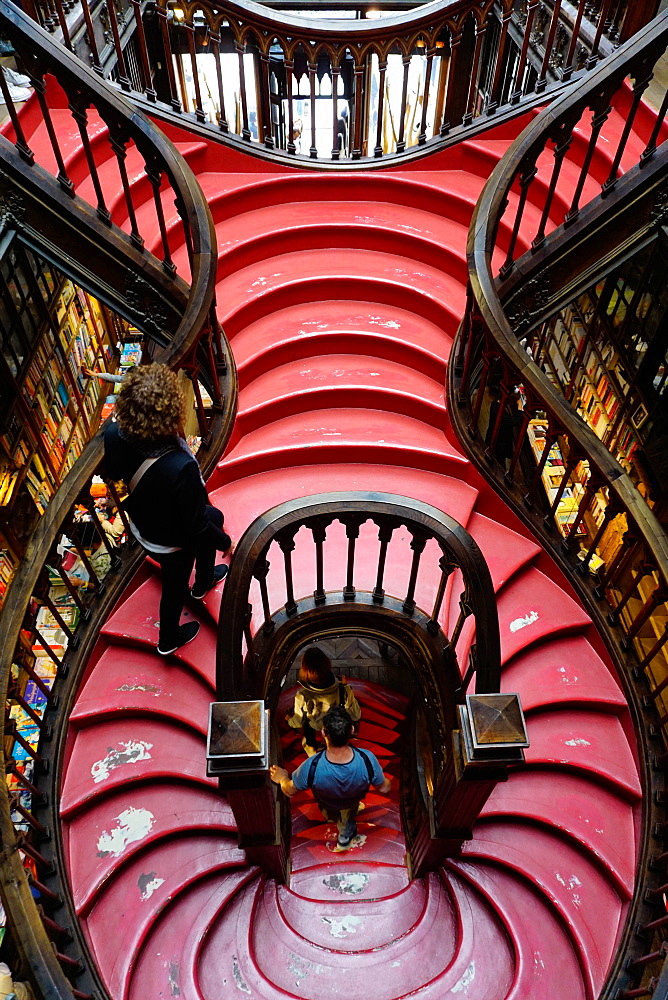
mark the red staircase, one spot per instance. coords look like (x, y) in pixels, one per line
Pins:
(341, 293)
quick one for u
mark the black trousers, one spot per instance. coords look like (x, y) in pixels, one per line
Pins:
(176, 570)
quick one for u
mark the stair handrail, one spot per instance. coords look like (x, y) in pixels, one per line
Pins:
(509, 256)
(238, 674)
(461, 46)
(42, 54)
(47, 942)
(485, 305)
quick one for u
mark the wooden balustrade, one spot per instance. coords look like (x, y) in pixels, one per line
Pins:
(237, 673)
(346, 90)
(537, 240)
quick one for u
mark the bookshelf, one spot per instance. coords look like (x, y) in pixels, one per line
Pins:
(552, 474)
(49, 330)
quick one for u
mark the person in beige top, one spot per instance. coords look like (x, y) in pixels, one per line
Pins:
(319, 690)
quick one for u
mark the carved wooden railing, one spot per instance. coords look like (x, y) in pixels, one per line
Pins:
(351, 540)
(539, 234)
(102, 246)
(349, 89)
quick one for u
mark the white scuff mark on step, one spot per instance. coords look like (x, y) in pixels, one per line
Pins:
(395, 965)
(570, 882)
(147, 883)
(522, 622)
(238, 978)
(565, 678)
(538, 962)
(126, 753)
(258, 281)
(300, 968)
(389, 324)
(346, 925)
(174, 988)
(347, 883)
(146, 688)
(133, 825)
(577, 742)
(466, 980)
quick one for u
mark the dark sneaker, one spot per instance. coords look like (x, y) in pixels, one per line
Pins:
(219, 573)
(186, 633)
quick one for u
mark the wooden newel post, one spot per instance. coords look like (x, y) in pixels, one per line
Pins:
(238, 755)
(490, 740)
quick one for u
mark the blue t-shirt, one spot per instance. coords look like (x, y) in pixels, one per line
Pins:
(339, 786)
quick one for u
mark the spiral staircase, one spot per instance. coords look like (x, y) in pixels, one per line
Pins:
(340, 294)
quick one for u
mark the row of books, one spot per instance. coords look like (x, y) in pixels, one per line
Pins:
(6, 570)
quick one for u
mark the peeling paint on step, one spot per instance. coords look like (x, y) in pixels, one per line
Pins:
(347, 883)
(146, 688)
(466, 980)
(174, 988)
(528, 619)
(580, 742)
(126, 753)
(148, 882)
(133, 825)
(347, 924)
(300, 968)
(238, 978)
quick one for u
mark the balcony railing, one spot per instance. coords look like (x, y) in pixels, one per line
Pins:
(541, 232)
(103, 241)
(345, 90)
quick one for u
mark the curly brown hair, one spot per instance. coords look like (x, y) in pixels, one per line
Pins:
(151, 405)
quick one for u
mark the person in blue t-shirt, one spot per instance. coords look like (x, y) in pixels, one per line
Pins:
(340, 776)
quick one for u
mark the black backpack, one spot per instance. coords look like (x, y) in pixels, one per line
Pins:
(315, 760)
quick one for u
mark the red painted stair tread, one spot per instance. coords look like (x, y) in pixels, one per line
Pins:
(281, 954)
(327, 327)
(113, 754)
(342, 435)
(139, 893)
(351, 924)
(563, 671)
(532, 606)
(449, 194)
(245, 499)
(117, 826)
(545, 965)
(505, 551)
(258, 233)
(136, 621)
(589, 906)
(584, 740)
(349, 878)
(168, 959)
(145, 684)
(339, 380)
(589, 814)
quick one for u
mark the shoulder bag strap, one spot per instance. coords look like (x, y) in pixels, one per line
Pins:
(315, 760)
(367, 761)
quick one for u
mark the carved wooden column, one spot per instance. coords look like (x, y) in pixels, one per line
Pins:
(489, 741)
(238, 755)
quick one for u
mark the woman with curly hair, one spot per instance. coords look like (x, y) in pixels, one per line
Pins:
(167, 504)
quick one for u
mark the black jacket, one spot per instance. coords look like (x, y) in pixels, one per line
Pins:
(169, 504)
